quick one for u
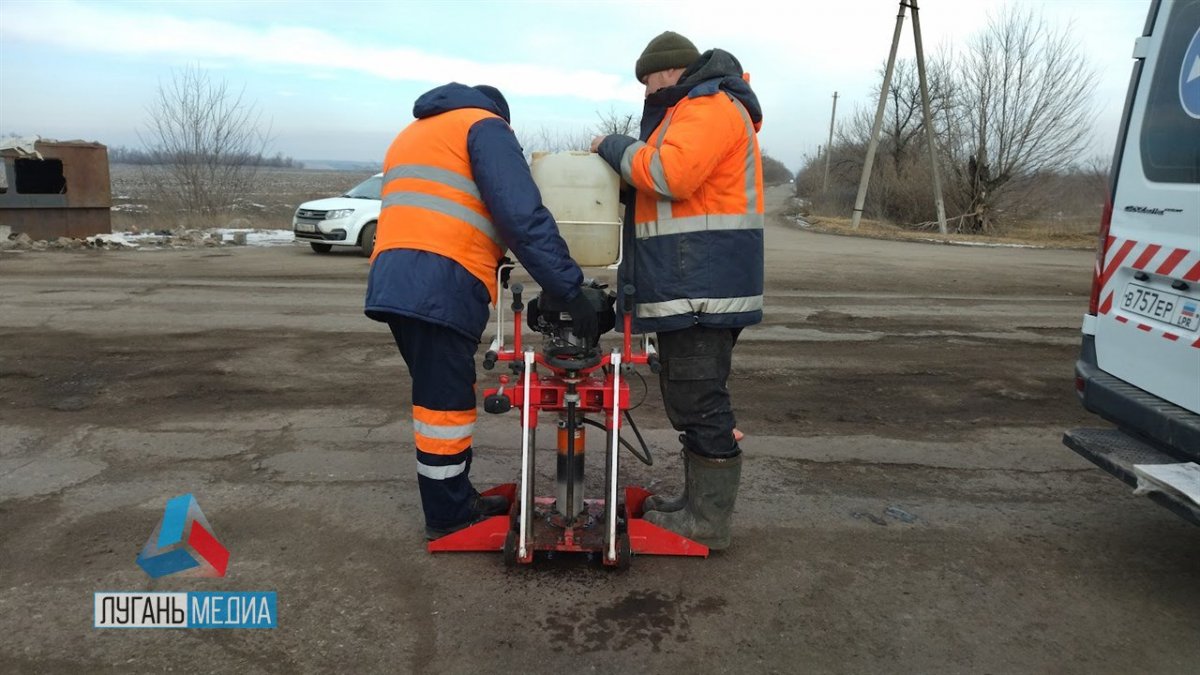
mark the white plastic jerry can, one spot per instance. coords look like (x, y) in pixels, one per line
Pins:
(581, 191)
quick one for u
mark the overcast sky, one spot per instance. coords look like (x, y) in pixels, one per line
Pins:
(337, 79)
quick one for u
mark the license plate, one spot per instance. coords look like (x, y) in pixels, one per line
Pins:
(306, 227)
(1167, 307)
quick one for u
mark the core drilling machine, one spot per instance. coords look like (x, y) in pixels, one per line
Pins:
(580, 385)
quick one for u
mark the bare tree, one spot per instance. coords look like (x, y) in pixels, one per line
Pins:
(899, 187)
(1011, 117)
(774, 171)
(1024, 111)
(545, 139)
(208, 140)
(903, 129)
(1097, 169)
(613, 122)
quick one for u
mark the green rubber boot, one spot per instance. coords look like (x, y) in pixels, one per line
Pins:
(711, 490)
(667, 504)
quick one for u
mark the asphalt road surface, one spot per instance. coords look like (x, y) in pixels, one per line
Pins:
(907, 505)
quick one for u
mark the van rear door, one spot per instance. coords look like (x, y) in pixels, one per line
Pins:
(1147, 330)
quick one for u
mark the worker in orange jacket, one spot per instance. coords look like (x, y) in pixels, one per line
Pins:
(457, 192)
(694, 228)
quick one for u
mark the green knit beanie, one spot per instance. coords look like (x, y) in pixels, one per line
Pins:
(667, 51)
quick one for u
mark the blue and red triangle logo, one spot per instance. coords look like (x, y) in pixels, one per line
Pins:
(183, 542)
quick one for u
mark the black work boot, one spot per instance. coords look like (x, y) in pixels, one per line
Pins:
(491, 505)
(712, 487)
(667, 504)
(481, 507)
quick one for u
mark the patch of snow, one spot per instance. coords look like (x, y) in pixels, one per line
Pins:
(113, 240)
(986, 244)
(258, 237)
(144, 237)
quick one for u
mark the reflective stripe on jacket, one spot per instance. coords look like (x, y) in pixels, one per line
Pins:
(431, 201)
(697, 234)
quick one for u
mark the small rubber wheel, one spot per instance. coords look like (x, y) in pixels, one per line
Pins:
(320, 248)
(510, 549)
(624, 552)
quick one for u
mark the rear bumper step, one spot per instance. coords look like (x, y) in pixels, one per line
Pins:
(1165, 424)
(1116, 452)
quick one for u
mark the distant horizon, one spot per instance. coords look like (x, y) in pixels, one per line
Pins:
(308, 165)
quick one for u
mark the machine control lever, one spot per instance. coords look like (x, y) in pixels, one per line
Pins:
(497, 404)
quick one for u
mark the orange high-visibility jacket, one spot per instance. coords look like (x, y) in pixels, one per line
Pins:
(694, 249)
(457, 190)
(430, 199)
(701, 163)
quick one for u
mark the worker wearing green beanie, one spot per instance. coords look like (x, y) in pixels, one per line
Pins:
(667, 51)
(694, 255)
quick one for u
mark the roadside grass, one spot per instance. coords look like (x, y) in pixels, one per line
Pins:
(1078, 233)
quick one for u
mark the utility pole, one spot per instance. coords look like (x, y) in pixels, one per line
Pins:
(829, 146)
(930, 135)
(874, 144)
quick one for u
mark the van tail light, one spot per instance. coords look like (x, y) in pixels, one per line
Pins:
(1101, 253)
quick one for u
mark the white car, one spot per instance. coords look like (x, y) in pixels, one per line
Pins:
(1139, 362)
(348, 220)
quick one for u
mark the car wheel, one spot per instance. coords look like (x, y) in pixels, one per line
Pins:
(320, 248)
(366, 240)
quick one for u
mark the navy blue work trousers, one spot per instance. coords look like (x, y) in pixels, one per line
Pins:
(441, 362)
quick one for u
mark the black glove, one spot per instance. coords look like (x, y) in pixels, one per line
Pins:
(506, 272)
(584, 324)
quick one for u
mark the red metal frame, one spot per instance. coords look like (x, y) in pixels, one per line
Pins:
(596, 392)
(645, 538)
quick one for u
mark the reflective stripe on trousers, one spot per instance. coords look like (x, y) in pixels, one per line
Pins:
(444, 433)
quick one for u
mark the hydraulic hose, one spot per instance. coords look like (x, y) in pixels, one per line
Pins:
(645, 458)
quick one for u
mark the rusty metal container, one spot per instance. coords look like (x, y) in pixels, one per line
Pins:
(51, 189)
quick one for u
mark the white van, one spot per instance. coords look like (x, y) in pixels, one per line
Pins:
(348, 220)
(1139, 366)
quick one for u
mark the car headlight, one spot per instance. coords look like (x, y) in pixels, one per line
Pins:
(340, 213)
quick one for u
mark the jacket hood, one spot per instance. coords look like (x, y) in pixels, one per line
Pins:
(454, 96)
(715, 70)
(714, 63)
